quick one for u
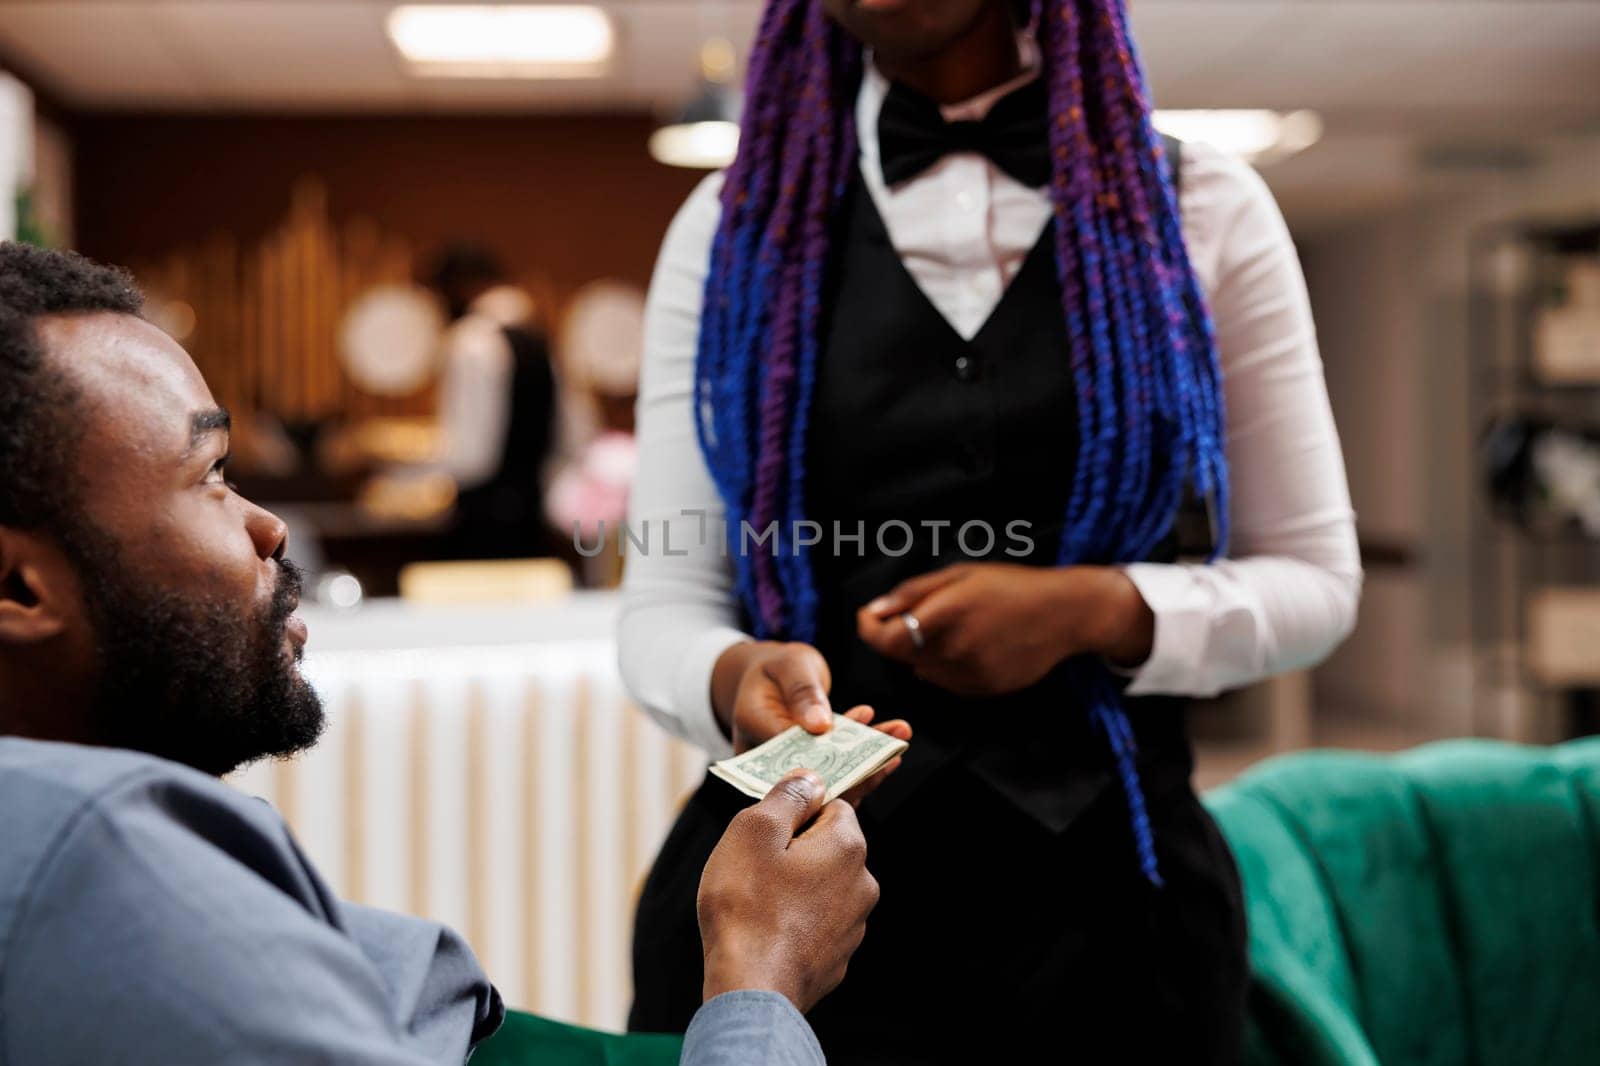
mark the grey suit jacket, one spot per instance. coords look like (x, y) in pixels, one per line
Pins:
(152, 914)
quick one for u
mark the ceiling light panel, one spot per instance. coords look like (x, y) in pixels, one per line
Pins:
(504, 40)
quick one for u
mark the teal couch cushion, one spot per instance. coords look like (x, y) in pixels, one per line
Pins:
(1436, 908)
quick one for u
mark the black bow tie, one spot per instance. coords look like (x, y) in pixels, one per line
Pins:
(913, 135)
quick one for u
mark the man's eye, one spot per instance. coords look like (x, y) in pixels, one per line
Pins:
(217, 475)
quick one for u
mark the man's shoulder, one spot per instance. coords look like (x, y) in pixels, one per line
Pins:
(44, 780)
(179, 915)
(48, 788)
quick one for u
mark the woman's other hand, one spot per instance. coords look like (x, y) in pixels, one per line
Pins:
(992, 628)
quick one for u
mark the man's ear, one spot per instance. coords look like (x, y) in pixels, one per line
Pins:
(37, 588)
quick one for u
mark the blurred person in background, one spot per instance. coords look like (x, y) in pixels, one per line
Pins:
(955, 284)
(588, 497)
(149, 643)
(497, 406)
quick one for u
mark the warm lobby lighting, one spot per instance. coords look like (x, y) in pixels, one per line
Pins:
(700, 145)
(1258, 136)
(705, 134)
(503, 41)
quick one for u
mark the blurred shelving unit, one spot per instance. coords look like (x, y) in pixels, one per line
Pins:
(1535, 554)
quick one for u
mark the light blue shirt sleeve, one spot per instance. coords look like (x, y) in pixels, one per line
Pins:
(750, 1029)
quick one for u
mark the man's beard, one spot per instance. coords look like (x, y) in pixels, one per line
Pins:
(191, 679)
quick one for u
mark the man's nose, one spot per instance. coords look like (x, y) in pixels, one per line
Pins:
(268, 532)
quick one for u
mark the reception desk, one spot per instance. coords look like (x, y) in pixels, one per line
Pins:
(483, 767)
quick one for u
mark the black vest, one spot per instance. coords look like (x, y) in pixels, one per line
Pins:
(504, 516)
(913, 424)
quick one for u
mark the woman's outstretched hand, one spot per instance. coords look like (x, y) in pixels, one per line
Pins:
(992, 628)
(761, 688)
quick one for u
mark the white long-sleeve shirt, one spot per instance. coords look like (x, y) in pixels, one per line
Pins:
(474, 400)
(1282, 601)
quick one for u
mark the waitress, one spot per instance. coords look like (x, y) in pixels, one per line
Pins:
(930, 373)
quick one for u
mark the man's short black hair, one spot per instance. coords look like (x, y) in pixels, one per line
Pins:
(464, 263)
(34, 400)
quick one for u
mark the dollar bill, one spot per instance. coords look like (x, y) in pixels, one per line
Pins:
(845, 756)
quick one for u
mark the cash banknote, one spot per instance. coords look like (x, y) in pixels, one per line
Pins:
(845, 756)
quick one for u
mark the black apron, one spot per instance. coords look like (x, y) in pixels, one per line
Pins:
(1014, 917)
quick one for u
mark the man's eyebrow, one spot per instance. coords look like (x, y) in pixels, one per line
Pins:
(205, 423)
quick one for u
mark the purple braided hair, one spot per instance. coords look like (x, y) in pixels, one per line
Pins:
(1140, 341)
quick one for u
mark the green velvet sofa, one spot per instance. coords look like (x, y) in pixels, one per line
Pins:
(1436, 908)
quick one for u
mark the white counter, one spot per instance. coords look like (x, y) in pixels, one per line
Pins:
(386, 625)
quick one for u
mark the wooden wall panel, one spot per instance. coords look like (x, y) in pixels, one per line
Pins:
(269, 227)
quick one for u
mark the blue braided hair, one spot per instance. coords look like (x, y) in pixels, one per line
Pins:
(1141, 345)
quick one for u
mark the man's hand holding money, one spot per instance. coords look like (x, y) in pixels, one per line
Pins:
(784, 898)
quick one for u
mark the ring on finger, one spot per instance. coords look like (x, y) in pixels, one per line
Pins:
(914, 627)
